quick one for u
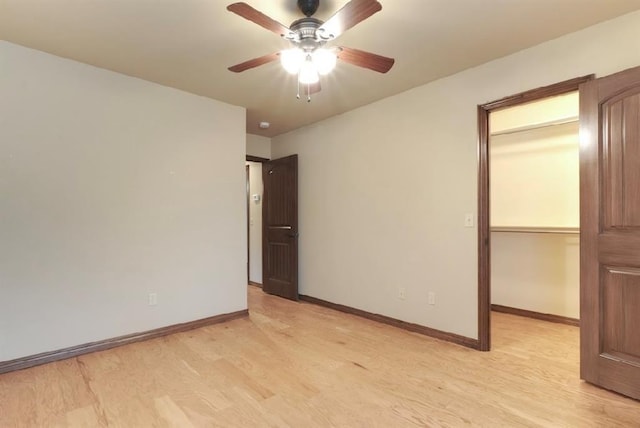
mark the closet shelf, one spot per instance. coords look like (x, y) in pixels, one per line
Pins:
(550, 229)
(555, 122)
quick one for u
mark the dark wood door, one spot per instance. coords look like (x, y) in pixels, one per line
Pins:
(280, 227)
(610, 232)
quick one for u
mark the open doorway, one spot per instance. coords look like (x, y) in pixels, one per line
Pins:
(529, 206)
(255, 191)
(535, 209)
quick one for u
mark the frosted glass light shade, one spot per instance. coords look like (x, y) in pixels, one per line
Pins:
(291, 60)
(324, 60)
(308, 73)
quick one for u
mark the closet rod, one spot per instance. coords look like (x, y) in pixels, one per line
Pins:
(563, 121)
(556, 230)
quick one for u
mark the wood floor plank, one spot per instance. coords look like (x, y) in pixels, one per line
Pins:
(85, 417)
(299, 365)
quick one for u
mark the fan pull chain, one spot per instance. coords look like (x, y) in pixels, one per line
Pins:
(308, 89)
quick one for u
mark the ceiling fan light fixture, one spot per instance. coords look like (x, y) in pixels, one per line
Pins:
(292, 60)
(308, 73)
(324, 61)
(308, 58)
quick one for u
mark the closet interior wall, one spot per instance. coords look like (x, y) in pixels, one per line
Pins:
(534, 163)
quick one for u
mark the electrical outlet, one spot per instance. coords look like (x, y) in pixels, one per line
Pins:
(431, 298)
(402, 293)
(153, 299)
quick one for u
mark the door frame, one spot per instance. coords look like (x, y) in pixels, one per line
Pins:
(484, 233)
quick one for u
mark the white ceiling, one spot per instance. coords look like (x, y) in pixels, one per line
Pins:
(188, 44)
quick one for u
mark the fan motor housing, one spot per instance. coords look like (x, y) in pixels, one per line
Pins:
(308, 7)
(305, 33)
(306, 27)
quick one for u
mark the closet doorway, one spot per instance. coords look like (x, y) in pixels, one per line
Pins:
(529, 207)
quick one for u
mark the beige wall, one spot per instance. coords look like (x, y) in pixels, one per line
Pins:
(536, 272)
(535, 178)
(112, 188)
(384, 189)
(564, 106)
(259, 146)
(535, 172)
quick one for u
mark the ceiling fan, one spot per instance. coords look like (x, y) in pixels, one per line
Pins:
(308, 58)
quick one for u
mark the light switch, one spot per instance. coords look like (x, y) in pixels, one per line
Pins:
(468, 220)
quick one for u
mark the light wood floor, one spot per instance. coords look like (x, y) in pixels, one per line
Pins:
(300, 365)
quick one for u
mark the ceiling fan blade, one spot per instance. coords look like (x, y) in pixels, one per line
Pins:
(369, 60)
(351, 14)
(254, 15)
(255, 62)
